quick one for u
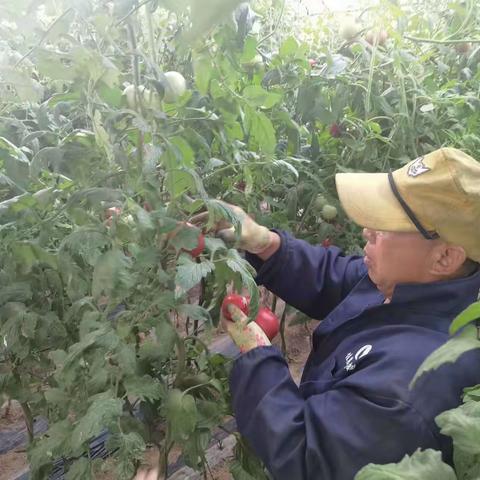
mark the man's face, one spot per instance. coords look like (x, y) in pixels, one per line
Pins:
(396, 257)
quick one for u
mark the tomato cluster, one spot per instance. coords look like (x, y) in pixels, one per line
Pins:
(265, 319)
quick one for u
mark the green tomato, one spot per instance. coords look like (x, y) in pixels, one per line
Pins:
(129, 94)
(349, 29)
(319, 202)
(149, 98)
(176, 86)
(329, 212)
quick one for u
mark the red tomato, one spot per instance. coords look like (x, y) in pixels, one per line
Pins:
(268, 322)
(327, 242)
(199, 248)
(195, 252)
(335, 130)
(110, 212)
(312, 62)
(240, 186)
(234, 299)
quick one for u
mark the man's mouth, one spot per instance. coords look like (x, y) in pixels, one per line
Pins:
(367, 261)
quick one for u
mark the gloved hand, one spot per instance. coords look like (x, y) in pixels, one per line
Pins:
(254, 238)
(151, 474)
(245, 335)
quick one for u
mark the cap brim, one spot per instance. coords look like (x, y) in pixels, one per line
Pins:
(369, 201)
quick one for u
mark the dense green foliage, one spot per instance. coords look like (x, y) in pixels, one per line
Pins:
(259, 125)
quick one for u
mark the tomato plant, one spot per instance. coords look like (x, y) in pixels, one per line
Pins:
(121, 120)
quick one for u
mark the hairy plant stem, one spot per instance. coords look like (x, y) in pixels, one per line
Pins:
(181, 361)
(27, 413)
(136, 82)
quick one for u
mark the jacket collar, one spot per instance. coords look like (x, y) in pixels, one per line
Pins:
(450, 296)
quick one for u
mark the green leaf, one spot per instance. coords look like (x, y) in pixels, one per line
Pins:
(160, 348)
(463, 425)
(80, 469)
(14, 162)
(102, 413)
(16, 292)
(237, 264)
(47, 158)
(259, 97)
(472, 393)
(425, 465)
(468, 315)
(145, 388)
(467, 467)
(29, 254)
(214, 244)
(289, 47)
(203, 19)
(96, 197)
(112, 275)
(449, 352)
(186, 238)
(203, 71)
(261, 131)
(51, 446)
(181, 413)
(195, 312)
(29, 324)
(194, 449)
(27, 88)
(131, 448)
(8, 188)
(56, 396)
(178, 180)
(189, 273)
(184, 152)
(87, 243)
(218, 210)
(78, 348)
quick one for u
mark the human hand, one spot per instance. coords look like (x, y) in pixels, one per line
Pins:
(246, 335)
(254, 237)
(151, 474)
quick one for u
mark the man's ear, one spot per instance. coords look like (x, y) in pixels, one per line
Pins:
(448, 259)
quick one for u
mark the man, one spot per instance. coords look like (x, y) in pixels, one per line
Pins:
(382, 315)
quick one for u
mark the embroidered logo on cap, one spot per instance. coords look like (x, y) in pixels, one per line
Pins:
(417, 168)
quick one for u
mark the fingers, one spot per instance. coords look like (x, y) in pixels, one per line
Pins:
(199, 219)
(151, 474)
(227, 235)
(237, 315)
(141, 475)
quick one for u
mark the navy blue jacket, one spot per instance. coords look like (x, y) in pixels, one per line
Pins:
(353, 405)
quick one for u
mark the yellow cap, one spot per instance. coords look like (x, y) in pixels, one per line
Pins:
(439, 192)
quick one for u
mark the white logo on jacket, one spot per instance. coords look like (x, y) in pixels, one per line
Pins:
(352, 359)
